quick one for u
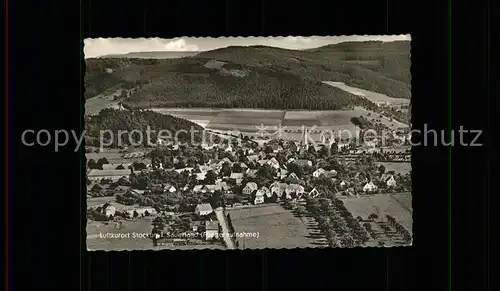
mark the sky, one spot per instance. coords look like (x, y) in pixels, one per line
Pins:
(95, 47)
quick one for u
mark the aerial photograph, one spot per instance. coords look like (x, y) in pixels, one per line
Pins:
(248, 142)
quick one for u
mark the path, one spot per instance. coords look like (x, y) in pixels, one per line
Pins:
(225, 228)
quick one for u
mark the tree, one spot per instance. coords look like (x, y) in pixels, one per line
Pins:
(135, 215)
(120, 167)
(103, 161)
(226, 169)
(381, 169)
(373, 216)
(210, 177)
(96, 188)
(294, 168)
(138, 166)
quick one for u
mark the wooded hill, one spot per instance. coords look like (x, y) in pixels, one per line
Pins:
(257, 77)
(128, 121)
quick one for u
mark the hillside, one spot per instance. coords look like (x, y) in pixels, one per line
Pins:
(127, 121)
(256, 77)
(154, 55)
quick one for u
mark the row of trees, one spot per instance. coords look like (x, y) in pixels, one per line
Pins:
(337, 223)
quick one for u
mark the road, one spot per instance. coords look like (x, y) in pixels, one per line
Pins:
(225, 228)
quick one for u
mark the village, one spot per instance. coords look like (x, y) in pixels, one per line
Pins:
(191, 197)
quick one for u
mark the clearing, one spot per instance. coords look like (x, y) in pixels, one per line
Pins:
(277, 228)
(395, 205)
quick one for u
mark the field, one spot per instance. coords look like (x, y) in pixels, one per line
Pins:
(277, 228)
(248, 121)
(97, 201)
(402, 168)
(114, 157)
(396, 205)
(96, 104)
(370, 95)
(95, 242)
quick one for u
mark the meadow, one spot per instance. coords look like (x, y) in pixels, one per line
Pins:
(395, 205)
(277, 228)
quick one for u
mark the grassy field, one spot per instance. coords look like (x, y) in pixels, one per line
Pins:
(97, 201)
(402, 168)
(396, 205)
(370, 95)
(114, 157)
(246, 121)
(277, 228)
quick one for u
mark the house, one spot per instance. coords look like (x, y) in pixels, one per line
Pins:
(253, 158)
(251, 173)
(343, 184)
(290, 160)
(201, 176)
(318, 172)
(266, 191)
(262, 162)
(184, 170)
(249, 188)
(224, 186)
(282, 174)
(370, 187)
(198, 189)
(169, 188)
(195, 225)
(203, 209)
(211, 229)
(110, 211)
(274, 163)
(293, 189)
(229, 148)
(278, 188)
(314, 193)
(259, 197)
(391, 182)
(303, 163)
(243, 166)
(330, 174)
(236, 177)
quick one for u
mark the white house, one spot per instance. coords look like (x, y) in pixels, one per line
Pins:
(278, 188)
(229, 148)
(203, 209)
(274, 163)
(370, 187)
(259, 197)
(211, 229)
(266, 191)
(391, 182)
(198, 188)
(318, 172)
(237, 177)
(249, 188)
(294, 189)
(314, 193)
(169, 188)
(110, 211)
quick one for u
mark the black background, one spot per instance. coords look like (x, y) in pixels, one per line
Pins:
(47, 228)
